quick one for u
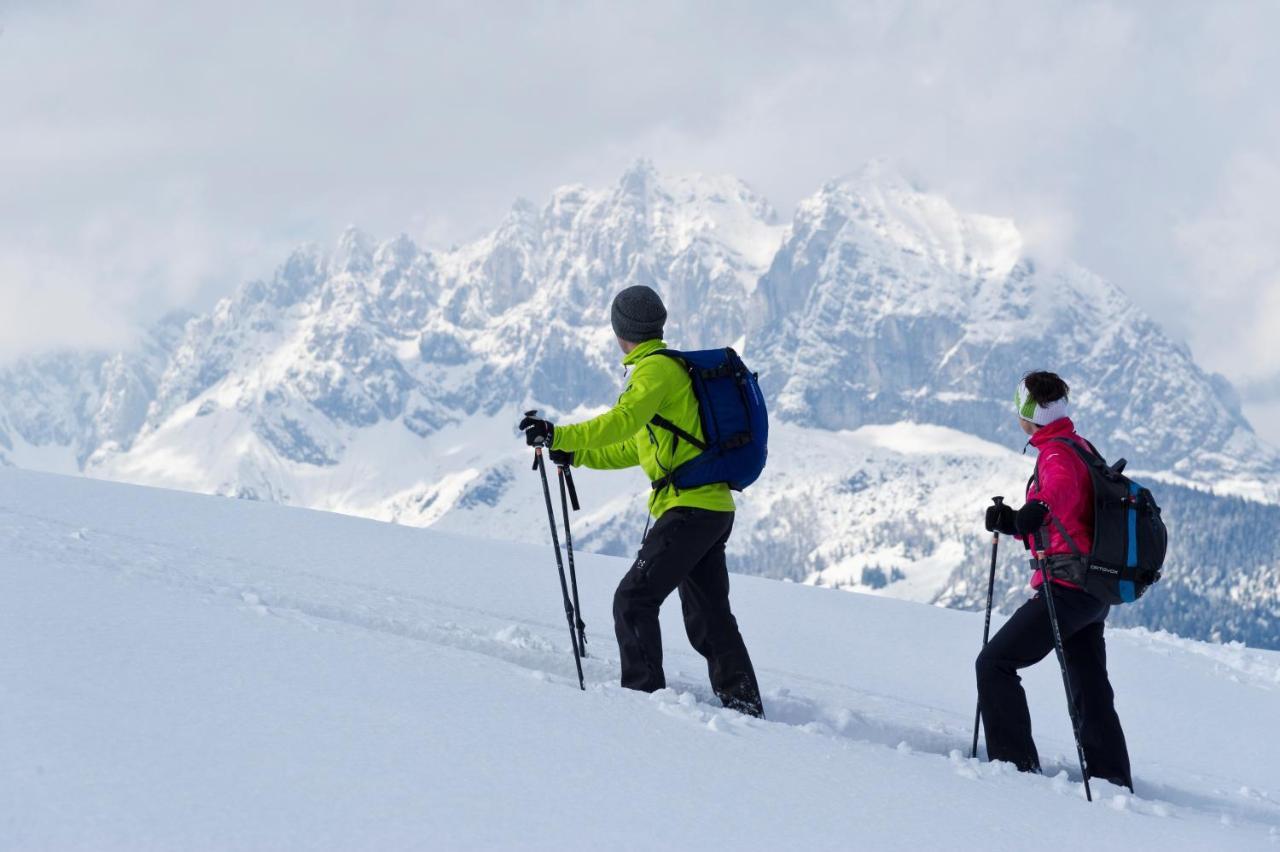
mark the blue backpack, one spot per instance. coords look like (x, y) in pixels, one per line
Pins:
(734, 422)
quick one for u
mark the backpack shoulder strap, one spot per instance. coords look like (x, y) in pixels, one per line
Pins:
(662, 422)
(1089, 456)
(1066, 536)
(673, 354)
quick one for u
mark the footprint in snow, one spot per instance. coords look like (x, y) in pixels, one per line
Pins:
(522, 637)
(255, 603)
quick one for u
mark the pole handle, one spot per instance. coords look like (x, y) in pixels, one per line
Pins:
(998, 501)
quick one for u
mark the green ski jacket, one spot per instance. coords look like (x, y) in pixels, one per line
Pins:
(622, 437)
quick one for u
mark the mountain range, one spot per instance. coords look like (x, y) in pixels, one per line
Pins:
(889, 329)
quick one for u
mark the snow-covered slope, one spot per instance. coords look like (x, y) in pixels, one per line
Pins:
(196, 672)
(381, 379)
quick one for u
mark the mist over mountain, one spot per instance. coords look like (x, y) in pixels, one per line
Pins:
(381, 378)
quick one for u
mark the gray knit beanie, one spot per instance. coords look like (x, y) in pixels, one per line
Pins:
(638, 314)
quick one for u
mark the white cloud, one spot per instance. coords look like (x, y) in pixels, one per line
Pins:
(1232, 291)
(1234, 254)
(153, 154)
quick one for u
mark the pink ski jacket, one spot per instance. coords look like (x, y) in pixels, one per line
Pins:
(1065, 487)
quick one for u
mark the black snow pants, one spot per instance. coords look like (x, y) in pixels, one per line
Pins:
(1026, 639)
(684, 551)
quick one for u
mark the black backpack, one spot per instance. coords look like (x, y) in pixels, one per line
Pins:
(1129, 536)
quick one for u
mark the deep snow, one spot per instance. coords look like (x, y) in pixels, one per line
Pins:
(198, 672)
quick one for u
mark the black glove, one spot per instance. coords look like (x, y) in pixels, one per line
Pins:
(563, 458)
(537, 433)
(1000, 519)
(1031, 517)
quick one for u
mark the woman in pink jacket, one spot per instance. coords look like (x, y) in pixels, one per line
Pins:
(1061, 490)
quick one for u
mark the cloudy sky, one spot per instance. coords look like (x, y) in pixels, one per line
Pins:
(153, 155)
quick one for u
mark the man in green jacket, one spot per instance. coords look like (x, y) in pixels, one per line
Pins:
(685, 550)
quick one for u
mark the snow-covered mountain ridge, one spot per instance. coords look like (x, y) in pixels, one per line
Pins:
(381, 378)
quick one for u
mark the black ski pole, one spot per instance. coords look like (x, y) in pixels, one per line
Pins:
(540, 466)
(986, 627)
(566, 479)
(1046, 588)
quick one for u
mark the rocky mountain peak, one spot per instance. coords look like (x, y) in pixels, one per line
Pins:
(353, 254)
(357, 376)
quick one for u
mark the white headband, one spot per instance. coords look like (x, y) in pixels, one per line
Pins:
(1041, 415)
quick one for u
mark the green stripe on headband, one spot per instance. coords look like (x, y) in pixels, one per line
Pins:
(1026, 410)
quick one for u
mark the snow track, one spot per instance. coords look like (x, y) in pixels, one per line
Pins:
(185, 670)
